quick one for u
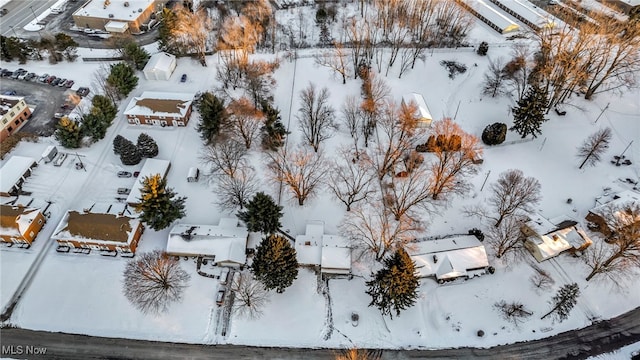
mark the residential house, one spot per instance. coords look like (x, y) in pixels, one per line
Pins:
(549, 238)
(330, 254)
(449, 258)
(224, 244)
(14, 173)
(160, 109)
(600, 216)
(20, 224)
(160, 66)
(15, 113)
(109, 231)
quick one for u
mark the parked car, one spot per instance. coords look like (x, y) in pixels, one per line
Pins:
(17, 73)
(43, 77)
(183, 78)
(123, 191)
(124, 174)
(83, 91)
(30, 76)
(23, 75)
(62, 82)
(10, 93)
(58, 116)
(56, 81)
(4, 12)
(6, 73)
(136, 173)
(69, 84)
(220, 297)
(50, 79)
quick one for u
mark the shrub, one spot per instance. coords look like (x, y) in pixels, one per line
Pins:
(483, 48)
(494, 134)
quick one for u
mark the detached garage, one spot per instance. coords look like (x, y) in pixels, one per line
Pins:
(160, 67)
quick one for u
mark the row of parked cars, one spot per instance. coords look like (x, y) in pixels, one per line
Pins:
(22, 74)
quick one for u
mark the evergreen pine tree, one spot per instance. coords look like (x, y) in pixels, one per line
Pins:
(262, 214)
(528, 116)
(275, 264)
(159, 206)
(129, 153)
(168, 22)
(273, 129)
(212, 115)
(102, 104)
(136, 55)
(118, 144)
(147, 146)
(564, 301)
(68, 133)
(123, 78)
(95, 125)
(394, 287)
(65, 45)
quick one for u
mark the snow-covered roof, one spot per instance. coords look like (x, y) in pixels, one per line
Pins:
(94, 227)
(225, 241)
(161, 61)
(151, 167)
(418, 100)
(15, 220)
(540, 225)
(117, 9)
(116, 26)
(160, 104)
(13, 170)
(7, 102)
(550, 240)
(448, 258)
(618, 200)
(330, 252)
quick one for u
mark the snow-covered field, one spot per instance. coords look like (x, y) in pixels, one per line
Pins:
(82, 293)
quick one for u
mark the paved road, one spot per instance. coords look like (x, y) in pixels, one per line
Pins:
(602, 337)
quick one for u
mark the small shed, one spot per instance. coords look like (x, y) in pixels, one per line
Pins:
(160, 66)
(50, 153)
(193, 175)
(422, 111)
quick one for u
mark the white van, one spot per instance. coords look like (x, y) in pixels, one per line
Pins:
(193, 175)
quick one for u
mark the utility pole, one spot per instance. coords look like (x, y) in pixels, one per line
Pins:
(623, 151)
(458, 108)
(603, 110)
(485, 180)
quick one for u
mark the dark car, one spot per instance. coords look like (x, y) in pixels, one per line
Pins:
(83, 91)
(4, 12)
(62, 82)
(10, 93)
(183, 78)
(30, 76)
(18, 73)
(69, 84)
(6, 72)
(50, 79)
(43, 77)
(124, 174)
(56, 81)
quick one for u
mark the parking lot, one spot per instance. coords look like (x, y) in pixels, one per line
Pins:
(46, 100)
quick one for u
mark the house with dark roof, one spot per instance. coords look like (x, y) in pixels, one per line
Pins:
(107, 232)
(160, 109)
(20, 224)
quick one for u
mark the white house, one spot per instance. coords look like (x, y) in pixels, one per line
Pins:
(422, 111)
(330, 253)
(549, 238)
(160, 66)
(449, 258)
(224, 244)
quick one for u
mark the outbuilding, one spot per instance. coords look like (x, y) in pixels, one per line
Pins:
(193, 175)
(422, 111)
(160, 66)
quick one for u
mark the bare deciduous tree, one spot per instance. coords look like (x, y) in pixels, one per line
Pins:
(505, 239)
(192, 30)
(234, 191)
(244, 121)
(514, 312)
(513, 193)
(372, 227)
(316, 116)
(99, 78)
(335, 59)
(594, 147)
(352, 118)
(350, 179)
(494, 79)
(359, 354)
(250, 296)
(541, 279)
(407, 193)
(618, 259)
(258, 80)
(300, 170)
(225, 156)
(375, 92)
(153, 280)
(451, 166)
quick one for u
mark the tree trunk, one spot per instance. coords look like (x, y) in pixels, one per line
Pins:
(585, 161)
(551, 312)
(499, 220)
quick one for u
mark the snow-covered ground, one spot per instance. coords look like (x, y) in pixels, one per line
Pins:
(83, 293)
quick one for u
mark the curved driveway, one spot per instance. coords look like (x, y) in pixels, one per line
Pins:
(601, 337)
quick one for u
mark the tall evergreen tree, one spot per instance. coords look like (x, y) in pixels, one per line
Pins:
(129, 154)
(68, 133)
(274, 130)
(118, 144)
(394, 287)
(212, 116)
(12, 47)
(102, 104)
(168, 22)
(159, 206)
(528, 116)
(123, 78)
(564, 301)
(135, 55)
(275, 264)
(95, 125)
(262, 214)
(147, 146)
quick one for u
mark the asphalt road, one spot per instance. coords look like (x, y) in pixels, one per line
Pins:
(601, 337)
